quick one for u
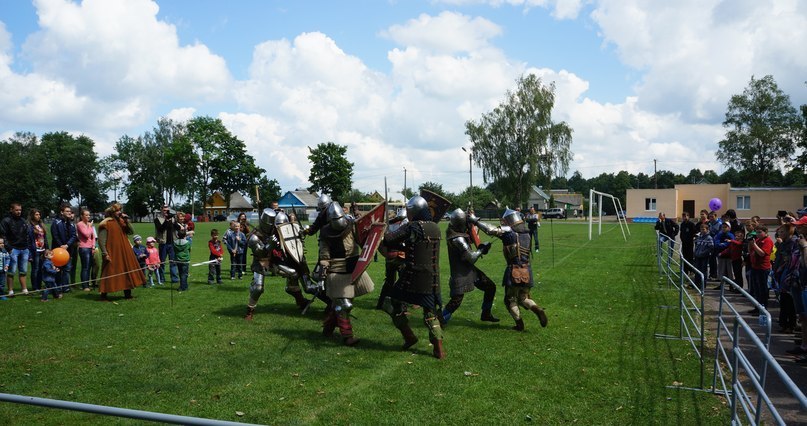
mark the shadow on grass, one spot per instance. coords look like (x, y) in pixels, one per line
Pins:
(365, 344)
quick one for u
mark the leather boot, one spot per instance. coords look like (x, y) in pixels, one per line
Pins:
(541, 315)
(519, 325)
(488, 316)
(329, 324)
(346, 329)
(437, 348)
(250, 313)
(409, 337)
(299, 299)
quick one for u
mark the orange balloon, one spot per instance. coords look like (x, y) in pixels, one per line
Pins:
(60, 257)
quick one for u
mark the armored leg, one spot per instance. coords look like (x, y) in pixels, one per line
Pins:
(525, 301)
(397, 310)
(255, 289)
(452, 306)
(293, 289)
(511, 302)
(489, 287)
(342, 308)
(435, 333)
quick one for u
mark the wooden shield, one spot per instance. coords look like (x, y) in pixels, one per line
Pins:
(365, 222)
(293, 245)
(438, 206)
(374, 237)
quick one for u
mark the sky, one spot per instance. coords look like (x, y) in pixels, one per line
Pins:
(396, 80)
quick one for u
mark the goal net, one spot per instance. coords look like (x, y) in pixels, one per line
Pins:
(620, 216)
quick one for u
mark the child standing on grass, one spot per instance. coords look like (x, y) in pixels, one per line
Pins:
(235, 240)
(182, 256)
(140, 253)
(152, 261)
(5, 260)
(216, 252)
(49, 272)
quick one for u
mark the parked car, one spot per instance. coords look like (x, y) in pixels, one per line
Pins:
(555, 213)
(219, 218)
(621, 214)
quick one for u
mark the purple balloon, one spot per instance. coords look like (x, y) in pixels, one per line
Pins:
(715, 204)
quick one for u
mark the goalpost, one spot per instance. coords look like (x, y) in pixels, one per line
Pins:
(623, 221)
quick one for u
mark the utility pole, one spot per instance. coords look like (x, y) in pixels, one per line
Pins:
(470, 177)
(655, 172)
(404, 190)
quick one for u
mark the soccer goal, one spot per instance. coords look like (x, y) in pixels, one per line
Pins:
(623, 221)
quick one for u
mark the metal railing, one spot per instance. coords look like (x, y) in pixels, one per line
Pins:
(742, 362)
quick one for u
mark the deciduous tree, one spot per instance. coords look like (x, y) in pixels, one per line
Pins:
(518, 143)
(331, 172)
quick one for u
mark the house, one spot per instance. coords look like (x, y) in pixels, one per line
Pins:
(300, 201)
(572, 202)
(754, 201)
(216, 205)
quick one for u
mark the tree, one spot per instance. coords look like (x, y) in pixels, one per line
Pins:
(174, 148)
(331, 173)
(437, 189)
(269, 191)
(73, 163)
(24, 179)
(517, 143)
(760, 135)
(221, 159)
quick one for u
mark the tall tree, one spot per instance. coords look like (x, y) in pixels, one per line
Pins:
(331, 172)
(269, 191)
(73, 163)
(175, 151)
(23, 178)
(518, 143)
(760, 127)
(221, 159)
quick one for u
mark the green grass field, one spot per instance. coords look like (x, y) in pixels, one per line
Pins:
(192, 353)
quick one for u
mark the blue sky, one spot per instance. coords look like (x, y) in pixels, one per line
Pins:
(395, 81)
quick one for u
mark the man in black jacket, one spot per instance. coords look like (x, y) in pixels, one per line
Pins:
(688, 231)
(669, 229)
(15, 230)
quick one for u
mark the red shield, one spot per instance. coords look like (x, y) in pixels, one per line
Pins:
(365, 222)
(374, 236)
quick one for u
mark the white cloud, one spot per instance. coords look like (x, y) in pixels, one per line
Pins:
(447, 32)
(102, 65)
(696, 54)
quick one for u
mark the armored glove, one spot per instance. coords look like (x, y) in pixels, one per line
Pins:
(484, 248)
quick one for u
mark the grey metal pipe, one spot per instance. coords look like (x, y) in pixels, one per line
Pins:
(112, 411)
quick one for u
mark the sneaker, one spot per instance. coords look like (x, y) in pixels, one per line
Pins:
(43, 300)
(11, 293)
(536, 250)
(25, 292)
(87, 289)
(210, 283)
(59, 296)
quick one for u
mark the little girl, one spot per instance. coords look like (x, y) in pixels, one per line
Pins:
(49, 272)
(152, 261)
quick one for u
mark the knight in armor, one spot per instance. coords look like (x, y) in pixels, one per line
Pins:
(464, 274)
(323, 202)
(269, 258)
(419, 280)
(393, 255)
(338, 254)
(517, 278)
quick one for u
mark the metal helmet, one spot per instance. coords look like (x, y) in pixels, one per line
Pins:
(267, 221)
(417, 208)
(457, 220)
(281, 218)
(400, 213)
(512, 218)
(336, 216)
(323, 201)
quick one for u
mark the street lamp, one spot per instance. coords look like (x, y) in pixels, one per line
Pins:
(470, 177)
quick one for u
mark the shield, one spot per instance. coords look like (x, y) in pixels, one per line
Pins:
(438, 206)
(293, 245)
(364, 223)
(474, 234)
(374, 237)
